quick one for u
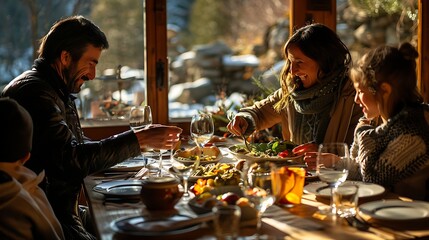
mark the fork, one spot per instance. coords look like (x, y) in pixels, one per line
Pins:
(230, 116)
(245, 142)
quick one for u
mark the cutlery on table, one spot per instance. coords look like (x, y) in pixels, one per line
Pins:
(161, 226)
(246, 143)
(230, 116)
(385, 233)
(140, 174)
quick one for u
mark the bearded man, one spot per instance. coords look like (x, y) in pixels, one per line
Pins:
(68, 56)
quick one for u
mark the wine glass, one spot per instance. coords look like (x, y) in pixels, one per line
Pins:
(332, 166)
(258, 189)
(202, 129)
(181, 170)
(140, 118)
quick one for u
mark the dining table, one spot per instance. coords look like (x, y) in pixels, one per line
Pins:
(298, 221)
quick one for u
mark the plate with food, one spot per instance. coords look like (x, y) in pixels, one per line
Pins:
(274, 151)
(207, 171)
(232, 195)
(217, 141)
(210, 154)
(213, 170)
(230, 176)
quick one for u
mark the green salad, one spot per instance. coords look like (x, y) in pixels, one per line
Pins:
(270, 149)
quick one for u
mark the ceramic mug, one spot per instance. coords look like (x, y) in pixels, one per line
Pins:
(160, 193)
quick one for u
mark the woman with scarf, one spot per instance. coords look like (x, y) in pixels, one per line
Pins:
(394, 153)
(316, 99)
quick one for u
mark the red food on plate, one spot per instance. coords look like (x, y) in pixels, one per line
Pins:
(230, 198)
(306, 147)
(286, 153)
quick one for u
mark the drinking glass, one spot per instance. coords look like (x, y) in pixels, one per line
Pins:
(183, 171)
(257, 188)
(202, 129)
(140, 118)
(332, 166)
(160, 160)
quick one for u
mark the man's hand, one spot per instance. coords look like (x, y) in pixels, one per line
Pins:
(159, 136)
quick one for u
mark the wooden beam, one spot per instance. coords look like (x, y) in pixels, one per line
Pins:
(303, 12)
(156, 64)
(423, 49)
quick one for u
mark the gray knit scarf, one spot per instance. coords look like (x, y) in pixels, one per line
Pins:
(314, 107)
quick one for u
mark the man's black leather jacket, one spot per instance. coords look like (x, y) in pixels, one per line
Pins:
(59, 145)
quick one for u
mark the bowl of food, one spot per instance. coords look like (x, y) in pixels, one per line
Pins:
(208, 155)
(226, 195)
(212, 171)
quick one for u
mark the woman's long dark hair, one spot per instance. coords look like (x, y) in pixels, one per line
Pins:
(321, 44)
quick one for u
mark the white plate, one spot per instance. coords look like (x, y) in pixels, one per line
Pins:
(133, 226)
(396, 210)
(288, 160)
(365, 189)
(120, 188)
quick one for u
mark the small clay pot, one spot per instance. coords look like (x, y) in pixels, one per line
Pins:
(161, 193)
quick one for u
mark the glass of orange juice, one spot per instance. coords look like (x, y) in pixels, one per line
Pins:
(288, 184)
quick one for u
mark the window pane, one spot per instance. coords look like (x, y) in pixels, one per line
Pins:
(25, 22)
(218, 48)
(120, 80)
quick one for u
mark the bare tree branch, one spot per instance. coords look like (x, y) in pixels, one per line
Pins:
(34, 22)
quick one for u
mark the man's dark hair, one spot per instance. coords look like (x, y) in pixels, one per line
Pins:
(72, 34)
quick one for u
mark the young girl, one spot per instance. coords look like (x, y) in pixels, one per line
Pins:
(394, 154)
